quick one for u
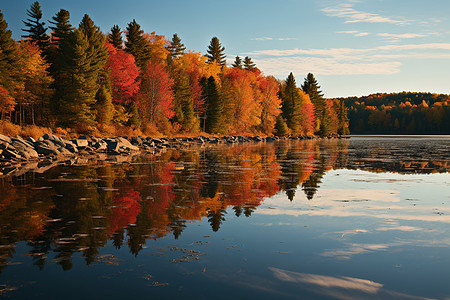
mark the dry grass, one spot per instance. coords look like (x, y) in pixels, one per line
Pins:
(9, 129)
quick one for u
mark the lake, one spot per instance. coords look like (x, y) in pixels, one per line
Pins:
(364, 218)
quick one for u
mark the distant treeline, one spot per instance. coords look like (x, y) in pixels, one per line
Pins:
(85, 80)
(399, 113)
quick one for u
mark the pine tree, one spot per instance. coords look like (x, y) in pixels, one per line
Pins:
(97, 48)
(291, 105)
(215, 52)
(9, 68)
(249, 64)
(184, 98)
(105, 108)
(237, 63)
(281, 127)
(312, 88)
(35, 28)
(115, 37)
(137, 45)
(176, 48)
(214, 111)
(77, 95)
(62, 27)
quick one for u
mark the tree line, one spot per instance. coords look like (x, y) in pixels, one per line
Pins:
(82, 79)
(399, 113)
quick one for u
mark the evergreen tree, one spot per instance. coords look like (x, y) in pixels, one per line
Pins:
(249, 64)
(237, 63)
(281, 127)
(9, 67)
(291, 105)
(215, 52)
(214, 111)
(134, 119)
(137, 45)
(312, 88)
(176, 48)
(62, 27)
(98, 51)
(77, 94)
(115, 37)
(184, 101)
(342, 114)
(105, 108)
(35, 28)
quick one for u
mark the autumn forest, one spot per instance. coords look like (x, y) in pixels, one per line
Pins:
(128, 80)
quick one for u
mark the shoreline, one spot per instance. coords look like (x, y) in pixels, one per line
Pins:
(19, 156)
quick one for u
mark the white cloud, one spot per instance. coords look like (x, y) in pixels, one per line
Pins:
(262, 39)
(354, 32)
(352, 15)
(346, 61)
(271, 39)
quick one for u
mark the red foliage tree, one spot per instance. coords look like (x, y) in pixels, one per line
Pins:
(123, 73)
(156, 93)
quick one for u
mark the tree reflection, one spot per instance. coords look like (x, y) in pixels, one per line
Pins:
(79, 209)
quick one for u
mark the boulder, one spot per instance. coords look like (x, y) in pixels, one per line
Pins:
(5, 138)
(46, 148)
(9, 154)
(81, 143)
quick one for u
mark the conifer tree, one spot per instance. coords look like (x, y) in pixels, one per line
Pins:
(249, 64)
(184, 100)
(62, 27)
(137, 45)
(215, 52)
(281, 128)
(9, 67)
(237, 63)
(35, 28)
(291, 105)
(77, 95)
(97, 48)
(115, 37)
(312, 88)
(105, 108)
(214, 111)
(176, 48)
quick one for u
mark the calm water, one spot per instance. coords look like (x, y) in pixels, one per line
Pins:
(364, 218)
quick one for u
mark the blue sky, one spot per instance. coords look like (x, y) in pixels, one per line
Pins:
(353, 47)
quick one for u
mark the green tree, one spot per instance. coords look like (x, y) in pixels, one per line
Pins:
(249, 64)
(214, 108)
(105, 108)
(115, 37)
(215, 52)
(176, 48)
(291, 105)
(77, 95)
(312, 88)
(9, 68)
(35, 28)
(237, 63)
(281, 127)
(137, 45)
(184, 110)
(62, 27)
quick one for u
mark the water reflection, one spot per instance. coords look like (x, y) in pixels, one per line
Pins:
(70, 209)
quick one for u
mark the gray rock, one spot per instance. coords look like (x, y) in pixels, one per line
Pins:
(8, 154)
(5, 138)
(81, 142)
(46, 149)
(64, 151)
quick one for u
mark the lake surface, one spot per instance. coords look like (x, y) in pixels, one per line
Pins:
(365, 218)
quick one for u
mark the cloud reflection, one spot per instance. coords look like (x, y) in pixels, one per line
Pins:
(339, 287)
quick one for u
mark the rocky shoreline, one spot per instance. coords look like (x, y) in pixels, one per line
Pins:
(19, 155)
